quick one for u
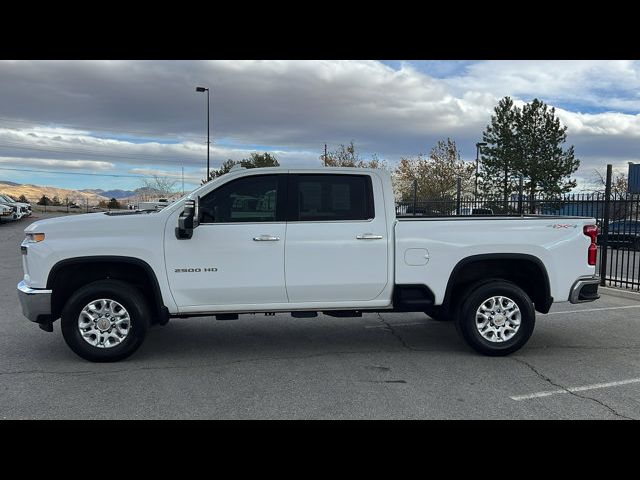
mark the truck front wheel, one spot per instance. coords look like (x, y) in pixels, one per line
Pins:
(496, 318)
(105, 321)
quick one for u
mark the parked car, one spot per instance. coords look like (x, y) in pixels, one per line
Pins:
(622, 233)
(22, 209)
(7, 212)
(157, 205)
(328, 240)
(474, 211)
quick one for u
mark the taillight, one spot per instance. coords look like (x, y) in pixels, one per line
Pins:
(591, 231)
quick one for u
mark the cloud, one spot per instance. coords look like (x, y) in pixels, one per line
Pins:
(147, 115)
(27, 162)
(590, 83)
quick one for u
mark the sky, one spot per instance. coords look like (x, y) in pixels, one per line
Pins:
(109, 124)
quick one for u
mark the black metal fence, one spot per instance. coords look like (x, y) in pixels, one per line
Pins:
(617, 215)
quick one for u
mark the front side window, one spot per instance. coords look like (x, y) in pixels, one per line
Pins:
(334, 197)
(248, 199)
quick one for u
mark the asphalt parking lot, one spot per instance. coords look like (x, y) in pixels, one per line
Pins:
(582, 362)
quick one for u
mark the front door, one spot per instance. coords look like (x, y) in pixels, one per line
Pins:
(236, 255)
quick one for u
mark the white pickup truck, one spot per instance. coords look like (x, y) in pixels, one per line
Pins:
(301, 241)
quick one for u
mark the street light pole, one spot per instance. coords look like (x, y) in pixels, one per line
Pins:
(204, 89)
(479, 145)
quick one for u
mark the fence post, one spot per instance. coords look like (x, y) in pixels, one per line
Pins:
(520, 189)
(415, 195)
(458, 192)
(605, 227)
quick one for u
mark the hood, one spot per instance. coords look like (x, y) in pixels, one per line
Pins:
(81, 222)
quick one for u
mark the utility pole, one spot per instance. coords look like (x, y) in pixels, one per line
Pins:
(204, 89)
(325, 154)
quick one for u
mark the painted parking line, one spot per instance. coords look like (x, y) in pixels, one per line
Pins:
(584, 388)
(593, 310)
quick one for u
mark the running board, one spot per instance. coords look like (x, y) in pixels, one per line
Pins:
(304, 314)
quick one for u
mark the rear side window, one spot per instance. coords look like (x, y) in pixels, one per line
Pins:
(331, 197)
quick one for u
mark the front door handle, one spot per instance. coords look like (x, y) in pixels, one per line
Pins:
(369, 236)
(266, 238)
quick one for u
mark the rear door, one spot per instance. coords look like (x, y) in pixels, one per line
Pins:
(337, 239)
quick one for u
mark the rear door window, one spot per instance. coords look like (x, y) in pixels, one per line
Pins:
(331, 197)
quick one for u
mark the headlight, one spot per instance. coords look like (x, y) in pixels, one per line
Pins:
(34, 237)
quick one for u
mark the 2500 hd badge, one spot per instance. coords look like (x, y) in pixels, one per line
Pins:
(195, 270)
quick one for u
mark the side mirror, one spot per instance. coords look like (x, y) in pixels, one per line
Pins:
(188, 220)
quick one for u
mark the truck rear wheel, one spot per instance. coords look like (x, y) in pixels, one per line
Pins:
(105, 321)
(496, 318)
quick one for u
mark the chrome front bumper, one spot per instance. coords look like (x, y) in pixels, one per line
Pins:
(585, 289)
(36, 303)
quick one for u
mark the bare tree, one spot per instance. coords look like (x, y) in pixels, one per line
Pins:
(158, 187)
(436, 175)
(348, 156)
(619, 182)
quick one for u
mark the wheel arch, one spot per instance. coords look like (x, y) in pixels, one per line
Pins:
(69, 274)
(526, 271)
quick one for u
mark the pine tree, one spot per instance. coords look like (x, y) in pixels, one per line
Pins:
(545, 164)
(500, 155)
(528, 142)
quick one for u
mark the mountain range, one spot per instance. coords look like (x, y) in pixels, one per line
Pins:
(91, 196)
(117, 194)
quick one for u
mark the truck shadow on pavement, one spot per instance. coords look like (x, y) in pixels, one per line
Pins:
(204, 338)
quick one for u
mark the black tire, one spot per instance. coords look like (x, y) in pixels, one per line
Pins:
(474, 297)
(125, 294)
(439, 314)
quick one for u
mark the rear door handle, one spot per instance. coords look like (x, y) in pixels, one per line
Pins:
(266, 238)
(369, 236)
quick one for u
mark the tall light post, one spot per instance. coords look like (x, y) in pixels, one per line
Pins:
(479, 145)
(203, 89)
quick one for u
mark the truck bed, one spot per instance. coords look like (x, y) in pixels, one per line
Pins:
(408, 217)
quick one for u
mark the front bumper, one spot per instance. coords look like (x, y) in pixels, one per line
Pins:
(36, 303)
(585, 289)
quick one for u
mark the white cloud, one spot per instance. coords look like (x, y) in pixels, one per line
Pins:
(293, 107)
(27, 162)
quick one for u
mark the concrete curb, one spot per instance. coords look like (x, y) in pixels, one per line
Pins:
(618, 292)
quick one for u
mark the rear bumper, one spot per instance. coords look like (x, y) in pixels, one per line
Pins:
(585, 289)
(36, 303)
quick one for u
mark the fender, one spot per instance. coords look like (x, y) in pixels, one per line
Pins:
(542, 308)
(159, 305)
